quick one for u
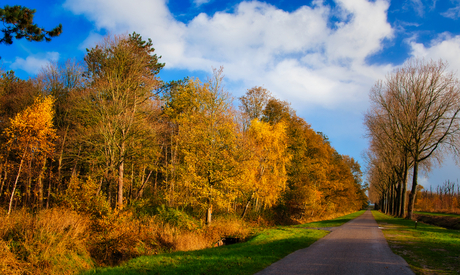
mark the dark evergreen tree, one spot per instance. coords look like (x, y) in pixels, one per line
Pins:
(18, 22)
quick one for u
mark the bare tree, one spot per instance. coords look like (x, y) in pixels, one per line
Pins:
(421, 102)
(388, 151)
(253, 103)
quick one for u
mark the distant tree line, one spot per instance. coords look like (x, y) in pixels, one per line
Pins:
(445, 198)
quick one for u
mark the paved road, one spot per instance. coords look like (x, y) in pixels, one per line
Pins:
(357, 247)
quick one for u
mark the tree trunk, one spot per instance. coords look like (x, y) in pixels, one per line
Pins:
(48, 197)
(74, 169)
(392, 199)
(40, 184)
(120, 176)
(247, 205)
(209, 214)
(403, 191)
(16, 182)
(99, 188)
(4, 176)
(387, 202)
(398, 200)
(413, 191)
(29, 183)
(61, 154)
(141, 190)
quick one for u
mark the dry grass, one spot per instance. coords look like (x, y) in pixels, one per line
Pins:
(50, 242)
(200, 238)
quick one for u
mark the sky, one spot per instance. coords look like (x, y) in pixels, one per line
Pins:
(321, 56)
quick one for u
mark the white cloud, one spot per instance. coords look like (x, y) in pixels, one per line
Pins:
(424, 181)
(148, 17)
(91, 41)
(445, 47)
(418, 6)
(296, 55)
(453, 13)
(33, 63)
(200, 2)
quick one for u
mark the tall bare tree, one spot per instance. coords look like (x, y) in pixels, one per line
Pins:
(421, 102)
(394, 156)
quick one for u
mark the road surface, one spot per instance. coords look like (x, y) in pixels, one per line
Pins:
(356, 247)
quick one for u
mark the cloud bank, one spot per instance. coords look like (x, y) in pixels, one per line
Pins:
(301, 56)
(315, 55)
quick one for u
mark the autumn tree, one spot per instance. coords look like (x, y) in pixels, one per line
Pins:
(15, 96)
(276, 111)
(421, 102)
(266, 170)
(205, 136)
(31, 135)
(122, 74)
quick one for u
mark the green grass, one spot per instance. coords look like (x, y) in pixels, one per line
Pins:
(427, 249)
(437, 214)
(265, 248)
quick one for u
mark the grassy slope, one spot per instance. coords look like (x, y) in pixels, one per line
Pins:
(250, 257)
(427, 249)
(437, 214)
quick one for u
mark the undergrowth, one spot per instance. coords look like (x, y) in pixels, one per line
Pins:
(49, 242)
(84, 233)
(63, 241)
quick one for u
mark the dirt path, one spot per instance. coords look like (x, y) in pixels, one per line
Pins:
(357, 247)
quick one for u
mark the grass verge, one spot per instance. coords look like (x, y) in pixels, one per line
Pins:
(265, 248)
(428, 249)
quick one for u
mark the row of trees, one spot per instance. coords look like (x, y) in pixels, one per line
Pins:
(112, 125)
(412, 122)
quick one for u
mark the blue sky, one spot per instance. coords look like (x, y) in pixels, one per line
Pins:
(321, 56)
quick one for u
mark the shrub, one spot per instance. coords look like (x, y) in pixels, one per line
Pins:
(120, 237)
(175, 217)
(84, 197)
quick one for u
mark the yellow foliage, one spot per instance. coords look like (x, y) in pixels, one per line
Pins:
(205, 141)
(33, 128)
(266, 169)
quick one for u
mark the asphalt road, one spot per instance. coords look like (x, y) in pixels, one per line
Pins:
(356, 247)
